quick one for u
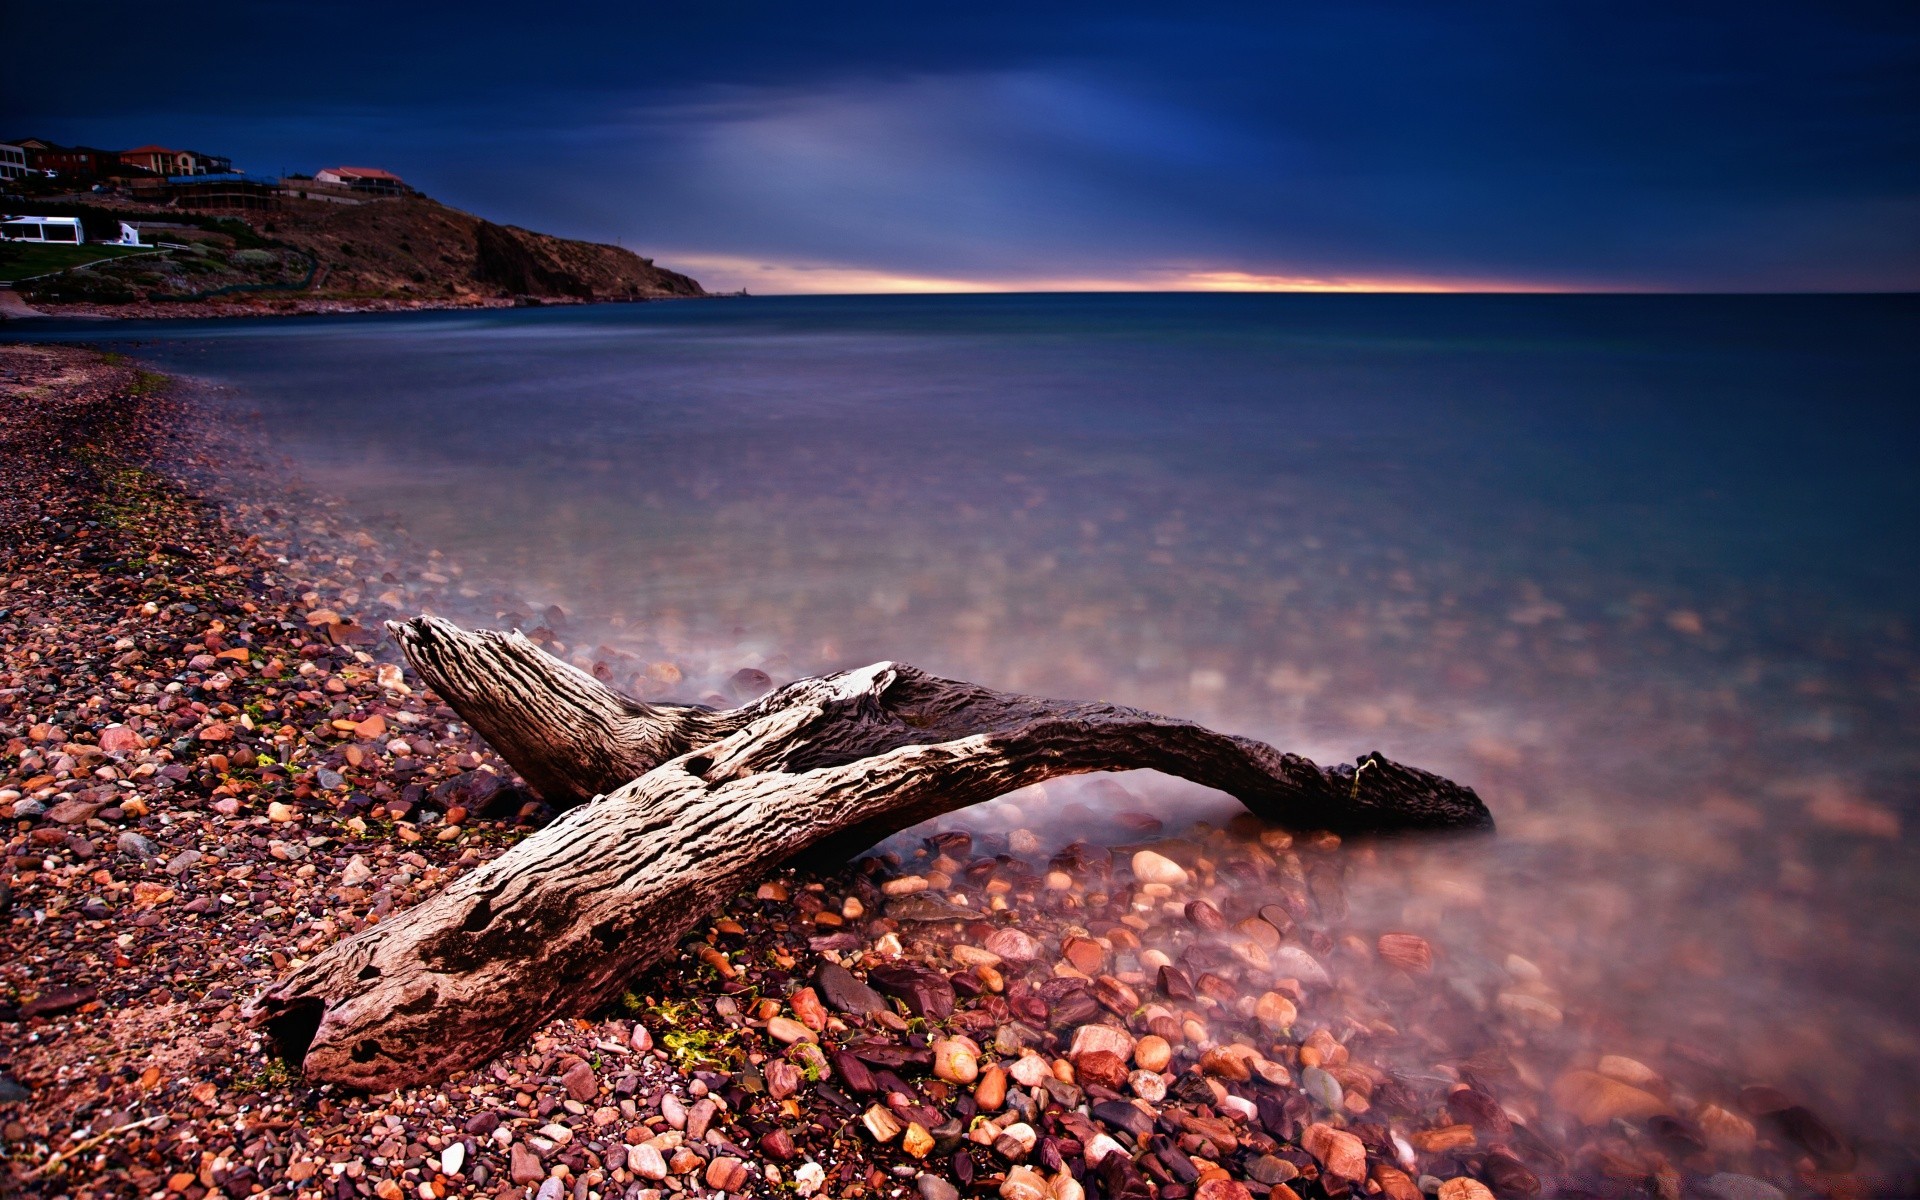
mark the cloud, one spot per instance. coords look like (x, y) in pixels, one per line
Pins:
(1372, 143)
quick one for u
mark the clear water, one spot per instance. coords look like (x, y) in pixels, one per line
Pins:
(1641, 570)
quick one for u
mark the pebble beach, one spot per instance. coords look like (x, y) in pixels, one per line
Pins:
(216, 765)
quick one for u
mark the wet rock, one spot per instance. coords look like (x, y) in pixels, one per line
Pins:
(73, 812)
(1293, 962)
(727, 1174)
(1464, 1188)
(1509, 1178)
(1089, 1038)
(955, 1061)
(1121, 1180)
(787, 1031)
(846, 994)
(880, 1123)
(1595, 1099)
(1118, 1114)
(1631, 1072)
(55, 1001)
(452, 1157)
(1205, 916)
(1725, 1132)
(356, 873)
(1275, 1011)
(1406, 951)
(932, 1187)
(1101, 1067)
(1479, 1110)
(1339, 1153)
(1016, 1141)
(1223, 1063)
(853, 1073)
(1024, 1183)
(806, 1006)
(1730, 1186)
(524, 1165)
(991, 1092)
(1528, 1010)
(580, 1082)
(645, 1161)
(1395, 1184)
(1813, 1135)
(917, 1140)
(925, 906)
(1084, 954)
(1324, 1088)
(1014, 946)
(1149, 867)
(1270, 1169)
(1152, 1053)
(138, 846)
(925, 992)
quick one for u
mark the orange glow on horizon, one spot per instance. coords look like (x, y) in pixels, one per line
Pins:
(723, 273)
(1242, 281)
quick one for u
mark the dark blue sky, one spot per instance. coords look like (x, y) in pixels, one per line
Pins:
(855, 146)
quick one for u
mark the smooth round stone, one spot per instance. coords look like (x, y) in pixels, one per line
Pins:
(1295, 963)
(785, 1029)
(932, 1187)
(1730, 1186)
(1149, 867)
(1323, 1087)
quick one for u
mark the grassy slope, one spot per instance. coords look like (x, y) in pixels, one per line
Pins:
(19, 260)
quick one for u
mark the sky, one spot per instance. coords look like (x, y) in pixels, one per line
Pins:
(857, 147)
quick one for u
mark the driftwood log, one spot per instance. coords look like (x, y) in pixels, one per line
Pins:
(675, 807)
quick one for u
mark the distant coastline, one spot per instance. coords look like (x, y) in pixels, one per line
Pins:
(306, 256)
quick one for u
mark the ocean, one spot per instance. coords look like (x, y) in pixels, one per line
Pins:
(1639, 569)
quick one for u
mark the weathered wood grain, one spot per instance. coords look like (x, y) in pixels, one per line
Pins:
(699, 803)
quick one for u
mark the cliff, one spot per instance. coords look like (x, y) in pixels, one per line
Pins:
(418, 247)
(308, 255)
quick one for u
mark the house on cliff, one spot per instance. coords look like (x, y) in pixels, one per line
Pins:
(370, 181)
(164, 161)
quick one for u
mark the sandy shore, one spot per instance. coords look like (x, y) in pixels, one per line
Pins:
(215, 766)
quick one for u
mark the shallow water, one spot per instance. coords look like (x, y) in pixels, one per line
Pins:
(1638, 569)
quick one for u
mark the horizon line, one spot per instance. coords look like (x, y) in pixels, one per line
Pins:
(732, 273)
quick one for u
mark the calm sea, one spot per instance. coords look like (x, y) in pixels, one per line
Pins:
(1642, 570)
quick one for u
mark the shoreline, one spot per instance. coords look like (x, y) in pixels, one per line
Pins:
(215, 766)
(312, 307)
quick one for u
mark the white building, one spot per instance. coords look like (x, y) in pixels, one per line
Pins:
(65, 230)
(363, 179)
(13, 161)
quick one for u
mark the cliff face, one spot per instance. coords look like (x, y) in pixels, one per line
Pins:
(420, 249)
